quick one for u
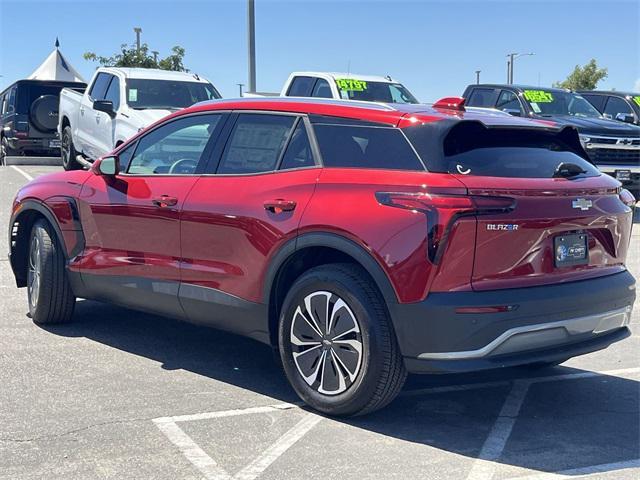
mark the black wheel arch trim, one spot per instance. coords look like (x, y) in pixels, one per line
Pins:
(337, 242)
(45, 211)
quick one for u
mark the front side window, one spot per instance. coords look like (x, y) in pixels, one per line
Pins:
(144, 94)
(616, 105)
(365, 147)
(508, 102)
(99, 87)
(352, 89)
(256, 143)
(113, 93)
(174, 148)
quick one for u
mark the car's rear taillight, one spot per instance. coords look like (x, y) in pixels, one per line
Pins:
(442, 210)
(627, 197)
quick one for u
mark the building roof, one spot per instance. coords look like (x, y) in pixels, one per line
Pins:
(56, 67)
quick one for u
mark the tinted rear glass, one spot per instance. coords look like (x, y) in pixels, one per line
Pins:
(28, 93)
(365, 147)
(503, 152)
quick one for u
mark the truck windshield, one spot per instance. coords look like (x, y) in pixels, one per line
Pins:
(552, 102)
(351, 89)
(167, 94)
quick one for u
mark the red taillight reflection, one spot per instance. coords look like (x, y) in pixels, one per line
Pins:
(442, 210)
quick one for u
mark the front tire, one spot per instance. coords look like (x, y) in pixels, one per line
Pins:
(51, 299)
(337, 346)
(68, 151)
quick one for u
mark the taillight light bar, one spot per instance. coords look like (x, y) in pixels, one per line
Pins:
(442, 211)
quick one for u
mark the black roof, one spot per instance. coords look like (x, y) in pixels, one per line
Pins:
(613, 93)
(518, 87)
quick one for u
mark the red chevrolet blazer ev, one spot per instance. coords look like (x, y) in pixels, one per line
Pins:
(361, 240)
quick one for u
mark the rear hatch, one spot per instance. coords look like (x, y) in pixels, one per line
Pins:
(565, 221)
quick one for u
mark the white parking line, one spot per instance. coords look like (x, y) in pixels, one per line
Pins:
(583, 471)
(484, 466)
(22, 172)
(208, 466)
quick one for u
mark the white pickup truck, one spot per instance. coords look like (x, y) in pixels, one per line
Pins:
(346, 86)
(117, 104)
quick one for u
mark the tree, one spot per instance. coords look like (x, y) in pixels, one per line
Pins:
(129, 56)
(584, 78)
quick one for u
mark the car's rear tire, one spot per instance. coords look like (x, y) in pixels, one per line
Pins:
(67, 151)
(347, 360)
(5, 151)
(51, 299)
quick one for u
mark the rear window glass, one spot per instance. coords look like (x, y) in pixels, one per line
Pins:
(365, 147)
(28, 93)
(475, 150)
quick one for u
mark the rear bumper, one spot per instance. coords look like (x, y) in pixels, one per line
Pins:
(545, 323)
(43, 146)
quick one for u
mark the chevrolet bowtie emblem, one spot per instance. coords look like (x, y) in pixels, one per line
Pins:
(582, 204)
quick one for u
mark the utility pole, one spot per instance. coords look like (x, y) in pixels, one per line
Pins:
(512, 57)
(478, 77)
(251, 40)
(240, 85)
(138, 31)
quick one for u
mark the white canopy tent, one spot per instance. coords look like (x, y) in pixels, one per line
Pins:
(56, 67)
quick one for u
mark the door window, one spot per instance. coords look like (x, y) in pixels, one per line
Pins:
(508, 102)
(99, 87)
(482, 97)
(301, 87)
(256, 143)
(616, 105)
(298, 153)
(113, 93)
(174, 148)
(322, 89)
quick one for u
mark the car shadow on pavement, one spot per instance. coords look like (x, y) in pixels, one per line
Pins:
(563, 424)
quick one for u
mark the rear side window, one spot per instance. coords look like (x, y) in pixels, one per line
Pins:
(322, 89)
(298, 153)
(501, 152)
(256, 143)
(596, 100)
(482, 97)
(301, 87)
(365, 147)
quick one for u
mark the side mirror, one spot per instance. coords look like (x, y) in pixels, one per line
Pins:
(108, 166)
(625, 117)
(512, 111)
(105, 106)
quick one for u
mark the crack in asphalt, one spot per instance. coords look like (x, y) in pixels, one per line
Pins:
(74, 431)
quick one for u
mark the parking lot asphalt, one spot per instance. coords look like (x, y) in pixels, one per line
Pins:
(125, 395)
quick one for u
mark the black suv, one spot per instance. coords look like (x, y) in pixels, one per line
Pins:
(622, 106)
(29, 117)
(612, 145)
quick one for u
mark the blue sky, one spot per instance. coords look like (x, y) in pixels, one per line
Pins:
(433, 47)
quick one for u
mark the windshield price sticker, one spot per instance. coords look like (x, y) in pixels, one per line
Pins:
(133, 94)
(538, 96)
(351, 85)
(637, 100)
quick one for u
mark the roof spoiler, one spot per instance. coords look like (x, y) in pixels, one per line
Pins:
(450, 103)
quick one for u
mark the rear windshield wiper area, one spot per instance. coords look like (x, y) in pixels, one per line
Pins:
(568, 170)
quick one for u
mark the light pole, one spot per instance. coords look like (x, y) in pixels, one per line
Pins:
(512, 57)
(138, 31)
(251, 40)
(155, 56)
(240, 85)
(478, 77)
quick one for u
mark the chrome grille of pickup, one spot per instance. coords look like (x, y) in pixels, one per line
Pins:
(612, 156)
